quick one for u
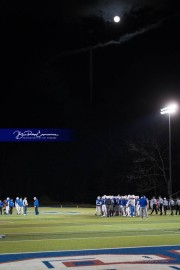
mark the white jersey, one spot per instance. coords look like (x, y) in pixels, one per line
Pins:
(165, 202)
(178, 202)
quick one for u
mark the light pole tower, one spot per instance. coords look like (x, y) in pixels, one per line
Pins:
(171, 109)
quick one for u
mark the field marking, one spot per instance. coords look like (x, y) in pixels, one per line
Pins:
(72, 250)
(75, 238)
(89, 249)
(40, 233)
(140, 257)
(88, 231)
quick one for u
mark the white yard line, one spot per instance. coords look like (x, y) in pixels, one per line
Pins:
(82, 238)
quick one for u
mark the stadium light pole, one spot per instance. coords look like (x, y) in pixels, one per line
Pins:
(170, 109)
(116, 19)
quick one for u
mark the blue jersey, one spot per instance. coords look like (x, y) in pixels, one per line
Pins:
(36, 203)
(103, 201)
(20, 203)
(124, 202)
(98, 202)
(143, 202)
(11, 203)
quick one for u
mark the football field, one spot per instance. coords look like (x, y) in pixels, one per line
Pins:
(78, 229)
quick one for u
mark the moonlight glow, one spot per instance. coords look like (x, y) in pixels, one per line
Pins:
(116, 19)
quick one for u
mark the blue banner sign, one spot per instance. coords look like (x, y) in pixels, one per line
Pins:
(36, 135)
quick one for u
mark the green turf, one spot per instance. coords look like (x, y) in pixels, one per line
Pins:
(79, 228)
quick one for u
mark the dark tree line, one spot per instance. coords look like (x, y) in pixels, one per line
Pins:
(150, 166)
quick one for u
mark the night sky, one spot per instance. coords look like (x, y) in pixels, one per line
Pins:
(45, 83)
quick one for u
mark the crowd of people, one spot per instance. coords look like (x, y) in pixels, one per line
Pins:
(161, 205)
(132, 205)
(20, 204)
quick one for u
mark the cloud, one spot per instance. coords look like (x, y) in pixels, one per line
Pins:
(124, 38)
(129, 36)
(108, 9)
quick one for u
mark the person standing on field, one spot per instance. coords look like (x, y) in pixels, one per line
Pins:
(11, 206)
(153, 205)
(131, 204)
(25, 205)
(143, 203)
(171, 205)
(1, 207)
(21, 208)
(36, 206)
(165, 205)
(17, 205)
(7, 205)
(98, 206)
(178, 206)
(160, 204)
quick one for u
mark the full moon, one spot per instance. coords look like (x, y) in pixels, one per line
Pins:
(116, 19)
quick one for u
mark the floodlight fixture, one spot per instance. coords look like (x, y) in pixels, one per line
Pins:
(170, 109)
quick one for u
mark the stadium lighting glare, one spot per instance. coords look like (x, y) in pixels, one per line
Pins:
(171, 109)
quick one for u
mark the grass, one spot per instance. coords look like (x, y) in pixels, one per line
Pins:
(79, 228)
